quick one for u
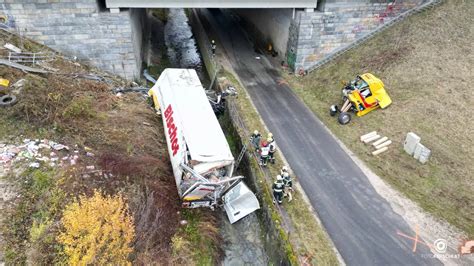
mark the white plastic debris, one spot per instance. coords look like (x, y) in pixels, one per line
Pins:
(59, 147)
(90, 167)
(34, 165)
(12, 48)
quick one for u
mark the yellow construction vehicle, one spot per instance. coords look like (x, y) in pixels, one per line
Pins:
(362, 95)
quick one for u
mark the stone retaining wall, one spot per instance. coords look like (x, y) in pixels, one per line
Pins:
(109, 41)
(336, 24)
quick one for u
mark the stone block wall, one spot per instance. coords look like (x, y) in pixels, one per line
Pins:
(109, 41)
(336, 24)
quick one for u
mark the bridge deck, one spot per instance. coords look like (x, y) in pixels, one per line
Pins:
(211, 4)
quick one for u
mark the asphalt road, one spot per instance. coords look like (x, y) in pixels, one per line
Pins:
(360, 222)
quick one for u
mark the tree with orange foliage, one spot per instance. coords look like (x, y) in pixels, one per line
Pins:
(97, 230)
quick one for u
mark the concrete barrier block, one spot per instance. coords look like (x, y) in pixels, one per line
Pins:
(410, 143)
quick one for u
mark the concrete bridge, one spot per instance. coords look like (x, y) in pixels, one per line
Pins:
(113, 34)
(211, 4)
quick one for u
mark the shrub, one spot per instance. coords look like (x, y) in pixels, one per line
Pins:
(97, 230)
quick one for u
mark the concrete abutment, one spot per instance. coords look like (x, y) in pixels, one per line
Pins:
(113, 39)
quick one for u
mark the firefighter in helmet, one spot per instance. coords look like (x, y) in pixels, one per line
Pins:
(264, 153)
(278, 187)
(255, 140)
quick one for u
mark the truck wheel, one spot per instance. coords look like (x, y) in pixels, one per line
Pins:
(344, 118)
(7, 100)
(333, 110)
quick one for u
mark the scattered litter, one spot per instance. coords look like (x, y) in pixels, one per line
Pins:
(20, 83)
(59, 147)
(33, 152)
(90, 167)
(4, 82)
(119, 94)
(183, 222)
(12, 48)
(34, 165)
(146, 124)
(257, 57)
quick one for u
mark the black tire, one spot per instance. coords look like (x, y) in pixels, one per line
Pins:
(344, 118)
(8, 100)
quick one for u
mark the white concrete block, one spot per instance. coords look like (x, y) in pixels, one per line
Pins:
(379, 151)
(370, 139)
(380, 141)
(422, 153)
(385, 144)
(410, 142)
(370, 134)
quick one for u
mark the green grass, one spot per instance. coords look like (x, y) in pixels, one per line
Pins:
(315, 245)
(426, 64)
(29, 230)
(196, 242)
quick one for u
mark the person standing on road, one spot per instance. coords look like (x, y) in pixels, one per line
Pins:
(255, 140)
(278, 187)
(272, 146)
(213, 47)
(264, 151)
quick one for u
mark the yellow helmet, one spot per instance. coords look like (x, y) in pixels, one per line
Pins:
(270, 135)
(255, 132)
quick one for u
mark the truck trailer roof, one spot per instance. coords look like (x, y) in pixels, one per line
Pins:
(203, 135)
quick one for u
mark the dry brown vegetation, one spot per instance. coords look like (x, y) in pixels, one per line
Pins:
(130, 156)
(426, 64)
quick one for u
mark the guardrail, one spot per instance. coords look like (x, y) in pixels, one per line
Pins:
(32, 58)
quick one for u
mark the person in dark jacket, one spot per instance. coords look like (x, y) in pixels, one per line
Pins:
(278, 187)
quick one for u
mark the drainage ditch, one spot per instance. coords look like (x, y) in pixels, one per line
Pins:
(244, 241)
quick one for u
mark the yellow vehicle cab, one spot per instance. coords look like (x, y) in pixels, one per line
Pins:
(362, 95)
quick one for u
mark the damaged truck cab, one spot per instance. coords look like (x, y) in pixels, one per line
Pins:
(200, 156)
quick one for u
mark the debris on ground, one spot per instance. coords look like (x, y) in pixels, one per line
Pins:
(413, 147)
(378, 142)
(39, 152)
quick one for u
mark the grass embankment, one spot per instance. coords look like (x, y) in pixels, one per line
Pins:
(426, 64)
(309, 243)
(129, 156)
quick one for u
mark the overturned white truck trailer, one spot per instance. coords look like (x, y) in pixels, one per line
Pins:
(200, 155)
